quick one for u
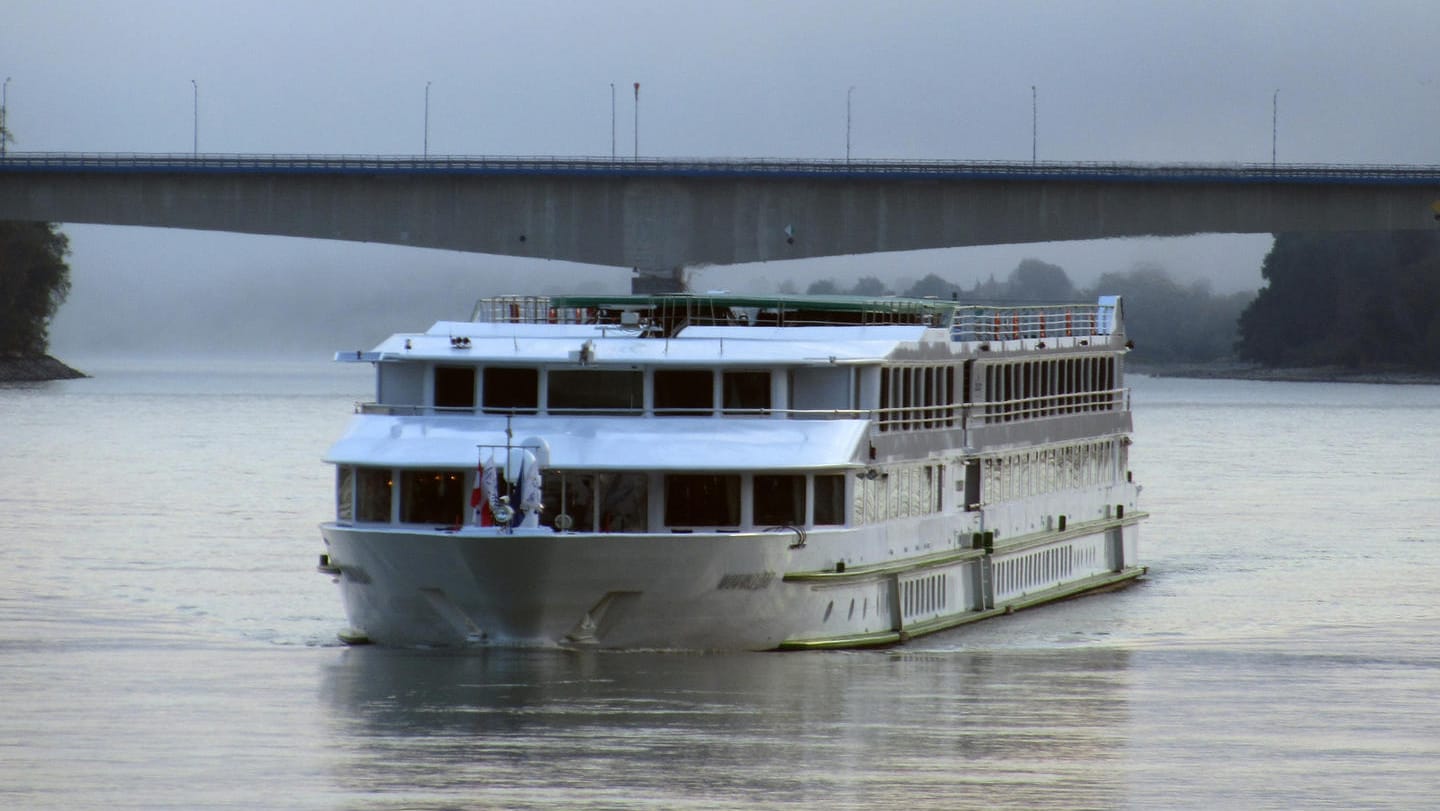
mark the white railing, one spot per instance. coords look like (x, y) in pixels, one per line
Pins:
(981, 323)
(897, 419)
(1129, 172)
(1051, 405)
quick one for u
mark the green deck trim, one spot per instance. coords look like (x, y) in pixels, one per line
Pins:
(883, 569)
(1020, 543)
(1097, 583)
(870, 640)
(1017, 544)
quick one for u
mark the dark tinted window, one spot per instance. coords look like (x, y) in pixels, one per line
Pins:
(779, 501)
(433, 497)
(372, 485)
(830, 499)
(746, 392)
(698, 500)
(684, 391)
(509, 388)
(454, 387)
(591, 391)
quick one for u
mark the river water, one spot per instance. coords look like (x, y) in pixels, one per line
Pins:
(165, 642)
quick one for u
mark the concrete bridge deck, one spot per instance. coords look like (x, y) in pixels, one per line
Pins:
(666, 213)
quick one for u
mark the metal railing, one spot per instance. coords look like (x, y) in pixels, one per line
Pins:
(1340, 174)
(895, 419)
(981, 323)
(1051, 405)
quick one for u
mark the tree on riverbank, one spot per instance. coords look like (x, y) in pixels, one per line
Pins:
(1356, 300)
(34, 281)
(1169, 322)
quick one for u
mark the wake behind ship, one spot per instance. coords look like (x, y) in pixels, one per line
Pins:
(732, 472)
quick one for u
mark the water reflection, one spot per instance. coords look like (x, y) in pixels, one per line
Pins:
(516, 728)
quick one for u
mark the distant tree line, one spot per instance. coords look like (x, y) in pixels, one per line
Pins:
(1170, 323)
(1355, 300)
(34, 281)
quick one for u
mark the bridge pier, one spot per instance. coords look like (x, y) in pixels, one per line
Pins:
(648, 281)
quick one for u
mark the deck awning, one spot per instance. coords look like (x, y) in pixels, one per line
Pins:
(607, 443)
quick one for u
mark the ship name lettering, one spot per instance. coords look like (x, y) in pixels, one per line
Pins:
(749, 581)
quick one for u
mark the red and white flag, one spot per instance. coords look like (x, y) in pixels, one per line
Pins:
(482, 498)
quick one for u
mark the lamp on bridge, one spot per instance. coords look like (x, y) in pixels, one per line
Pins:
(195, 131)
(4, 114)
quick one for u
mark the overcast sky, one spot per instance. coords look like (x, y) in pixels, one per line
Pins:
(1149, 80)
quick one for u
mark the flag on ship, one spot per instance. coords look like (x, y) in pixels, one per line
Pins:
(482, 498)
(530, 498)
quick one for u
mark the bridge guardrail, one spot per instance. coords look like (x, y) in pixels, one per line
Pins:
(98, 162)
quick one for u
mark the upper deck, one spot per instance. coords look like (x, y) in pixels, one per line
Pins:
(666, 316)
(958, 374)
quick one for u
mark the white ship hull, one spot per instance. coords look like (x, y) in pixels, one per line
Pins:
(754, 591)
(722, 472)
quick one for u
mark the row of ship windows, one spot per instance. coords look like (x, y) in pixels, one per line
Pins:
(914, 398)
(1042, 388)
(604, 502)
(677, 392)
(911, 397)
(620, 502)
(1051, 470)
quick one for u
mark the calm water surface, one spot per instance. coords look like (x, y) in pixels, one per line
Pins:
(165, 643)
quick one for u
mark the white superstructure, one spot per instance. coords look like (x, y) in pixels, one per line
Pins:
(731, 472)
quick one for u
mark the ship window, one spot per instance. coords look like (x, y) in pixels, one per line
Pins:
(618, 501)
(746, 392)
(702, 500)
(779, 500)
(454, 387)
(885, 404)
(345, 493)
(624, 502)
(571, 494)
(590, 391)
(508, 388)
(373, 486)
(829, 499)
(684, 391)
(433, 497)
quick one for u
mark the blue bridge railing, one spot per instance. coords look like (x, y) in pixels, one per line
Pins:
(832, 169)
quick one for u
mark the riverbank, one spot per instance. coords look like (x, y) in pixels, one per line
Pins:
(1310, 374)
(34, 368)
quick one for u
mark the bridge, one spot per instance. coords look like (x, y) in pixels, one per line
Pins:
(661, 215)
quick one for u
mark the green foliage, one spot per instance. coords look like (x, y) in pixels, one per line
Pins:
(1041, 281)
(34, 281)
(871, 286)
(1350, 299)
(1169, 322)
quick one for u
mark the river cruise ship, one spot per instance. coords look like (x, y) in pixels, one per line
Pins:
(718, 471)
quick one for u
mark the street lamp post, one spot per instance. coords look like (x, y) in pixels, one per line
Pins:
(427, 120)
(1274, 125)
(848, 94)
(612, 121)
(637, 121)
(4, 115)
(195, 123)
(1034, 125)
